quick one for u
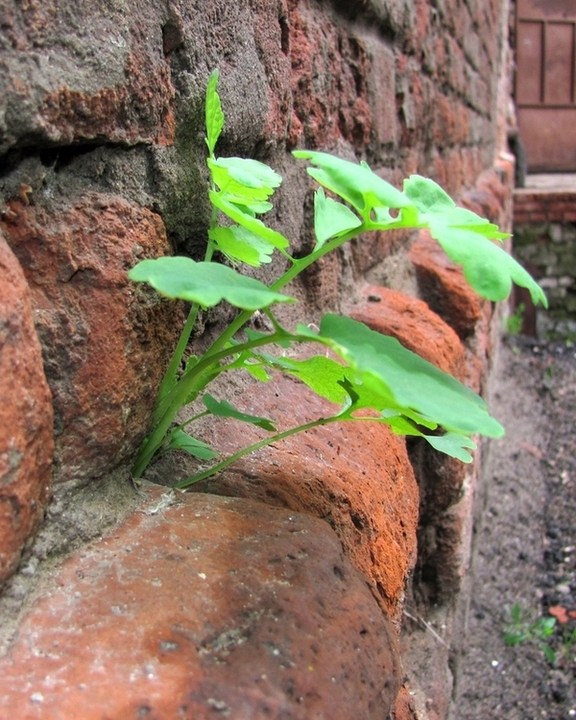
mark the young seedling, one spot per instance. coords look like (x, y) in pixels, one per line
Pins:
(522, 628)
(374, 372)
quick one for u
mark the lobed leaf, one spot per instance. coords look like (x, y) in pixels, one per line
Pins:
(488, 268)
(250, 208)
(321, 374)
(225, 409)
(244, 179)
(248, 221)
(250, 361)
(452, 444)
(398, 379)
(214, 114)
(205, 283)
(251, 173)
(331, 218)
(240, 244)
(426, 195)
(466, 238)
(354, 183)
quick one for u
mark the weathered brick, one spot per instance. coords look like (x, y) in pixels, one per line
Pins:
(202, 607)
(355, 476)
(105, 342)
(381, 82)
(26, 417)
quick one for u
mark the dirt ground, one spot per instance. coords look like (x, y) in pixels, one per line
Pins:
(525, 546)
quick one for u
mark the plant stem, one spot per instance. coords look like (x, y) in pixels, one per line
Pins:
(252, 448)
(189, 383)
(170, 374)
(191, 420)
(293, 271)
(192, 382)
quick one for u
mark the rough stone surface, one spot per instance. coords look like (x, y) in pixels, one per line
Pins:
(329, 80)
(202, 607)
(404, 707)
(104, 339)
(440, 478)
(26, 418)
(356, 476)
(83, 73)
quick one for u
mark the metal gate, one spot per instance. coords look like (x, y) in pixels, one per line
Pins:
(546, 83)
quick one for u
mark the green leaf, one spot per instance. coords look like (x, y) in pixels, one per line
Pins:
(257, 371)
(180, 440)
(452, 444)
(545, 626)
(434, 205)
(244, 179)
(426, 195)
(225, 409)
(323, 375)
(488, 268)
(458, 217)
(250, 173)
(248, 221)
(240, 244)
(214, 114)
(250, 361)
(401, 380)
(466, 238)
(205, 283)
(515, 637)
(253, 208)
(404, 425)
(331, 218)
(328, 378)
(356, 184)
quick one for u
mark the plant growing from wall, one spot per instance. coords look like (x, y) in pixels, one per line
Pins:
(372, 371)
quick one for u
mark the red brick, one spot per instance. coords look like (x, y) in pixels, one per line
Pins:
(521, 217)
(201, 607)
(104, 345)
(26, 417)
(327, 56)
(357, 476)
(538, 216)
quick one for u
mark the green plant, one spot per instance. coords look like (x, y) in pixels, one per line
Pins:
(515, 320)
(568, 642)
(522, 627)
(373, 372)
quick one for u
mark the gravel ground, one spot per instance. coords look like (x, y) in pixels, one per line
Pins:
(525, 546)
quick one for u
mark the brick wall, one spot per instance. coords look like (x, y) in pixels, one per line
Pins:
(544, 206)
(102, 164)
(545, 243)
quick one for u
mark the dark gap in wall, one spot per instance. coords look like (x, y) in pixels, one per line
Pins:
(284, 35)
